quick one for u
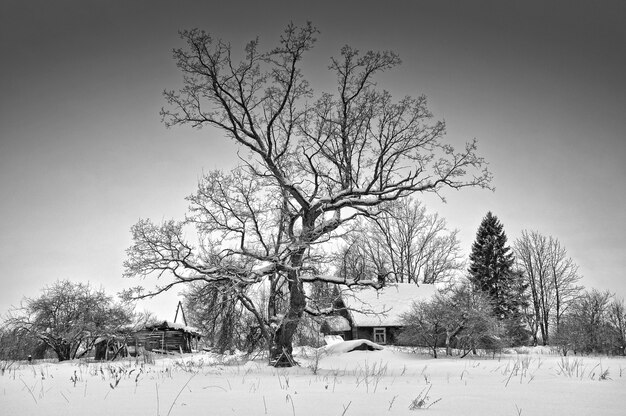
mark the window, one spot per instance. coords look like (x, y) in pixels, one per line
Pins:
(380, 335)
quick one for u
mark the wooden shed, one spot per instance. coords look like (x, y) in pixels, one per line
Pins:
(165, 337)
(112, 346)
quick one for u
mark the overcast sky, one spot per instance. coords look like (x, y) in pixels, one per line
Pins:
(83, 154)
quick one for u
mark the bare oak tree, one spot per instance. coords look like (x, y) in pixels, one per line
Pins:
(552, 280)
(314, 165)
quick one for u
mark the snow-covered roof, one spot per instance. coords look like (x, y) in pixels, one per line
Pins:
(384, 307)
(174, 325)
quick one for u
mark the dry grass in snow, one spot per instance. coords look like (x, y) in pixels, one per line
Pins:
(387, 382)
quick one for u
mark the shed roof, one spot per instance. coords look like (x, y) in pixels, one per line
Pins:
(384, 307)
(173, 325)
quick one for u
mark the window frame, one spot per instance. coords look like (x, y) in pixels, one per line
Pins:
(380, 331)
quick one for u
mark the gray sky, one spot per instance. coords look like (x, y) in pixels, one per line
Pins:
(83, 154)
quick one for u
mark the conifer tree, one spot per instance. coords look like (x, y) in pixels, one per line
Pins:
(491, 271)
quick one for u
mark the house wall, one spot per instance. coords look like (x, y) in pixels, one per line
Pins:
(363, 332)
(165, 339)
(392, 334)
(367, 332)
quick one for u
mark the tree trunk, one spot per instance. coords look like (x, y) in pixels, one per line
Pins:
(448, 347)
(545, 312)
(436, 335)
(452, 334)
(537, 311)
(281, 349)
(63, 351)
(544, 334)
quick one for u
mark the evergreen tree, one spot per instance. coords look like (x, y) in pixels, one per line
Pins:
(491, 271)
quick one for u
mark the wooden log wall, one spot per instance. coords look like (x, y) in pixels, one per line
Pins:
(163, 339)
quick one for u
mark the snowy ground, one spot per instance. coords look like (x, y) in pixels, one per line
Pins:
(387, 382)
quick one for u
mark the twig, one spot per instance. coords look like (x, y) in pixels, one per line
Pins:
(64, 396)
(391, 402)
(513, 370)
(289, 399)
(29, 390)
(179, 393)
(345, 408)
(215, 387)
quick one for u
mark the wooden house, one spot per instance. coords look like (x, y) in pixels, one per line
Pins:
(375, 315)
(165, 337)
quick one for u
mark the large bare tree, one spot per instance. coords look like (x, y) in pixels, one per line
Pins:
(552, 279)
(315, 163)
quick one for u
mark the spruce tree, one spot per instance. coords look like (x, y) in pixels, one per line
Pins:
(491, 271)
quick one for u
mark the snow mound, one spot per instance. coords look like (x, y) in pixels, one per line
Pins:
(332, 339)
(357, 344)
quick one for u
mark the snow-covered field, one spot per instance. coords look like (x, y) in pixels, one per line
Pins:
(387, 382)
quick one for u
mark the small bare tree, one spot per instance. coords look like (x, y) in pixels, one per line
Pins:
(586, 326)
(425, 325)
(224, 322)
(403, 244)
(69, 317)
(314, 165)
(617, 321)
(552, 279)
(18, 344)
(461, 316)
